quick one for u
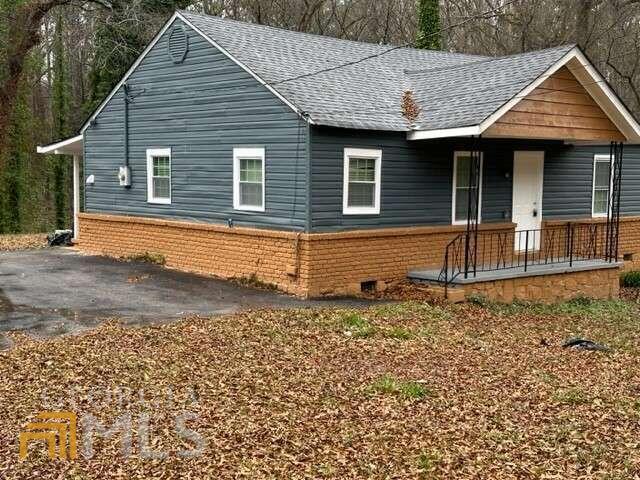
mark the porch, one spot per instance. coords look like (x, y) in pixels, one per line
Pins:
(433, 276)
(555, 262)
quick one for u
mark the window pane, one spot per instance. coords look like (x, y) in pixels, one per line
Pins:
(251, 194)
(251, 170)
(462, 203)
(602, 174)
(463, 173)
(600, 199)
(161, 167)
(161, 187)
(362, 170)
(361, 195)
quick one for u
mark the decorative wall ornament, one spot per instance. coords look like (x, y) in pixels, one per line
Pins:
(178, 44)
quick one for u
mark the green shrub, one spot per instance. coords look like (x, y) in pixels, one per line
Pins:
(630, 279)
(147, 257)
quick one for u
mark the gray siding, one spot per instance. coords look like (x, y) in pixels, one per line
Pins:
(202, 109)
(568, 181)
(417, 179)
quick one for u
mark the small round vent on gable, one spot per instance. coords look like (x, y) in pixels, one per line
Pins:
(178, 44)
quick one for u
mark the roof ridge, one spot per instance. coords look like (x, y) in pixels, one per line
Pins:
(489, 59)
(381, 46)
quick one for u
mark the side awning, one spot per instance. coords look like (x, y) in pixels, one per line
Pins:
(70, 146)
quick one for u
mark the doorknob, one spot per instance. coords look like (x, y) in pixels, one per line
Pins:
(535, 212)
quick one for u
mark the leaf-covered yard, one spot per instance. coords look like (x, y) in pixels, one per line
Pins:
(408, 390)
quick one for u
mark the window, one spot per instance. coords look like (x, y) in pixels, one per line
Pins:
(248, 179)
(159, 175)
(462, 185)
(361, 189)
(601, 185)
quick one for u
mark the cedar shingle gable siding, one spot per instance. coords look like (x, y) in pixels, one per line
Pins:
(559, 108)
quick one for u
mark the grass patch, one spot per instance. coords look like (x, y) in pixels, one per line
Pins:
(399, 333)
(147, 257)
(571, 396)
(630, 279)
(357, 326)
(388, 385)
(578, 307)
(422, 310)
(428, 461)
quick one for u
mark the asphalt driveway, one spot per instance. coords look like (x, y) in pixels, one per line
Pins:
(57, 291)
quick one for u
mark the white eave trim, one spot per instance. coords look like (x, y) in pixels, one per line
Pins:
(586, 74)
(157, 38)
(444, 132)
(70, 146)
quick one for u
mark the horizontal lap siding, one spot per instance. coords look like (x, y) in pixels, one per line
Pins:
(202, 109)
(568, 181)
(560, 108)
(417, 178)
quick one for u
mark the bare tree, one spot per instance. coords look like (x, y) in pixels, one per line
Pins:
(25, 28)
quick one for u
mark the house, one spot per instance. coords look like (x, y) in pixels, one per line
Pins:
(327, 166)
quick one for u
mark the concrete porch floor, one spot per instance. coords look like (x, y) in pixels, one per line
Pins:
(432, 276)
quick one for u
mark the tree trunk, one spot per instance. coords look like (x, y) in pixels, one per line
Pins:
(24, 32)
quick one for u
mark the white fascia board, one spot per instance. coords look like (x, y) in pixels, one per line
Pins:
(604, 96)
(593, 83)
(491, 119)
(157, 38)
(443, 133)
(70, 146)
(586, 74)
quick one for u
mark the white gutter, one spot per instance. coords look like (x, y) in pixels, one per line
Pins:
(70, 146)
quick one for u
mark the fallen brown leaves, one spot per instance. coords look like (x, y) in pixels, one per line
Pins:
(9, 243)
(463, 391)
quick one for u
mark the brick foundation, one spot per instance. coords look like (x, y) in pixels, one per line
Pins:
(601, 284)
(268, 256)
(310, 265)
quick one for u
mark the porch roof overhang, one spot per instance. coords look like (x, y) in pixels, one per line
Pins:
(69, 146)
(588, 77)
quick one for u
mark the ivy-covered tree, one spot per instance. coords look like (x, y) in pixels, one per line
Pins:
(429, 32)
(60, 100)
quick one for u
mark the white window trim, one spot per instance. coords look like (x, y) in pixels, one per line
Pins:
(157, 152)
(457, 154)
(366, 153)
(596, 159)
(239, 153)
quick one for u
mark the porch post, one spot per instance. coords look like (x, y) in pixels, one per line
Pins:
(76, 196)
(613, 203)
(473, 208)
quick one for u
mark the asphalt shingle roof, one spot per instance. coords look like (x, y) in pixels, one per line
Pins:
(451, 89)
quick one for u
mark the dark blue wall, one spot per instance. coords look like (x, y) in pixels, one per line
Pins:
(202, 109)
(568, 181)
(417, 178)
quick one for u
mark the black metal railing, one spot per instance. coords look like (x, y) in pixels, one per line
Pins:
(493, 250)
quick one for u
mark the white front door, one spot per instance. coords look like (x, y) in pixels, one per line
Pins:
(528, 169)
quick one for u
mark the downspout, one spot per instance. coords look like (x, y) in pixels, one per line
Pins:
(308, 223)
(125, 88)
